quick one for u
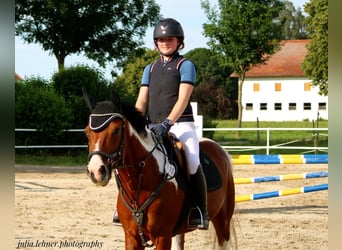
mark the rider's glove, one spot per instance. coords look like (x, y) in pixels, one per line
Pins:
(162, 128)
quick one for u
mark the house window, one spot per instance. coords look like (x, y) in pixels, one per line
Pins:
(307, 86)
(277, 106)
(322, 106)
(307, 105)
(256, 87)
(263, 106)
(292, 106)
(277, 87)
(249, 106)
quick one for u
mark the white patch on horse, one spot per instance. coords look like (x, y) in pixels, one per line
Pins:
(96, 162)
(225, 246)
(176, 243)
(148, 143)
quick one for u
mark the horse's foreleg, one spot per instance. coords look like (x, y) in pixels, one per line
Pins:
(178, 242)
(133, 243)
(162, 243)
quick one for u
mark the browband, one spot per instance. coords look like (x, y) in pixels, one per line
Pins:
(98, 122)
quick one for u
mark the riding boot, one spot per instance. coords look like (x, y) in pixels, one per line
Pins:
(199, 191)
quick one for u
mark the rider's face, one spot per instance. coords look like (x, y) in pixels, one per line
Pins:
(167, 45)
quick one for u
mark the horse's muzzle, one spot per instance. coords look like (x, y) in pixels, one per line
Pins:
(104, 175)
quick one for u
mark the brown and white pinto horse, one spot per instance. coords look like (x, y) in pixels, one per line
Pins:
(151, 200)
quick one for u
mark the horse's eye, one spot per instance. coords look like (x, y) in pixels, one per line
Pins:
(116, 132)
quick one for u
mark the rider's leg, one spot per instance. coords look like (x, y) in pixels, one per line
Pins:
(199, 191)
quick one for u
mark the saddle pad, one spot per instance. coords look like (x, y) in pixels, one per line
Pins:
(212, 175)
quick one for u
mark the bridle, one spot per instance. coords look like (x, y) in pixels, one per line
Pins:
(116, 161)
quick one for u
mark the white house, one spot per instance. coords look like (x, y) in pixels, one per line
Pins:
(279, 90)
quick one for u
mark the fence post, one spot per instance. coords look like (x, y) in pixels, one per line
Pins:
(268, 141)
(258, 131)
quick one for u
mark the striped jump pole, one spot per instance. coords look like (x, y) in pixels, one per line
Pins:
(281, 177)
(280, 159)
(279, 193)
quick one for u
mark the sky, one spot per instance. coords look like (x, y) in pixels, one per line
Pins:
(31, 60)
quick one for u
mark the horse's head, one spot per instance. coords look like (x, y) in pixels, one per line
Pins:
(106, 134)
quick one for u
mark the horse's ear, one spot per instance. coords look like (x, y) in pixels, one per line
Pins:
(116, 100)
(91, 103)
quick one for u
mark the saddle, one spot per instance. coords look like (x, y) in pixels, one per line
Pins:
(177, 157)
(176, 154)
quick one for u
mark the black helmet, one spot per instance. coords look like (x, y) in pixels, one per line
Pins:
(168, 27)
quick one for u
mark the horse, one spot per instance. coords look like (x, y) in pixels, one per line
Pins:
(151, 203)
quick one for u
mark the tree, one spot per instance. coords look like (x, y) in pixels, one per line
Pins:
(294, 27)
(211, 76)
(245, 32)
(208, 66)
(69, 82)
(128, 83)
(315, 64)
(104, 30)
(213, 101)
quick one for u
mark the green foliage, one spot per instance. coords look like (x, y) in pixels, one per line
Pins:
(128, 83)
(69, 83)
(213, 101)
(209, 123)
(315, 64)
(43, 158)
(104, 30)
(245, 33)
(213, 77)
(38, 106)
(208, 67)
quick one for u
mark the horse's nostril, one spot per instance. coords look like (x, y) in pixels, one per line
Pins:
(103, 170)
(92, 177)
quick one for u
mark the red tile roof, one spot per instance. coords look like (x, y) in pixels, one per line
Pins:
(286, 62)
(17, 77)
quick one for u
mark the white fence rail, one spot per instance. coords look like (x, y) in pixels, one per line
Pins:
(267, 147)
(268, 137)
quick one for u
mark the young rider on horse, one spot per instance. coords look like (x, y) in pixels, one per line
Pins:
(165, 92)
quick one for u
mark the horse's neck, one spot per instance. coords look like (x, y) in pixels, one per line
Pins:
(141, 152)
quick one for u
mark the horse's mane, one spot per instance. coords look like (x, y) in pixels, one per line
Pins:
(135, 118)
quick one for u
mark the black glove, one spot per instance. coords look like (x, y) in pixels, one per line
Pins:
(162, 128)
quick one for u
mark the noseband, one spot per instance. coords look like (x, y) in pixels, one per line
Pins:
(98, 122)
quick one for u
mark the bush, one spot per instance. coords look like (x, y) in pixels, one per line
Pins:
(213, 101)
(69, 83)
(38, 106)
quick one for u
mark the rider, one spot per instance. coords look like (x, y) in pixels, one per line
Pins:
(165, 92)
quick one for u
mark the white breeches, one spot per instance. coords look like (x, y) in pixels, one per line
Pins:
(186, 133)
